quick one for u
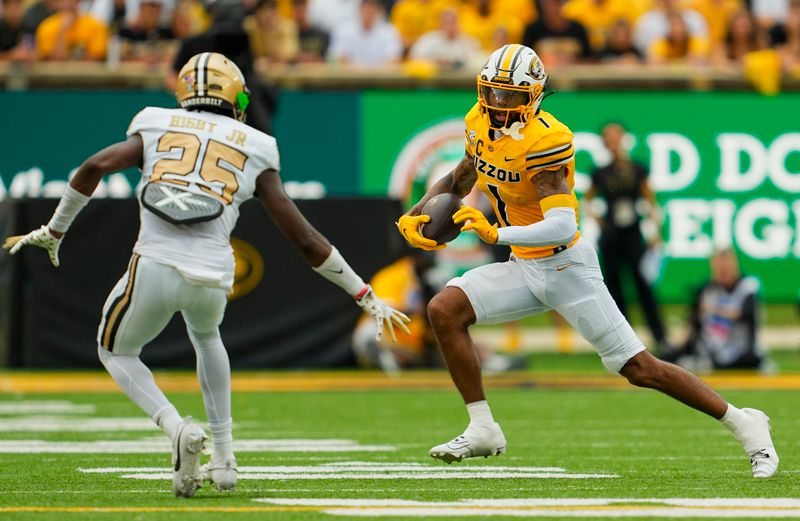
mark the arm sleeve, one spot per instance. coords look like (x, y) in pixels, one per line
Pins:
(558, 227)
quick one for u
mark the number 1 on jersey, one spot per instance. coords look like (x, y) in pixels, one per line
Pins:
(499, 204)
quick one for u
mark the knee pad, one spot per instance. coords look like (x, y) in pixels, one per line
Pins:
(608, 332)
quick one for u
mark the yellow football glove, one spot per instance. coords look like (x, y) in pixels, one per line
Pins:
(477, 223)
(409, 229)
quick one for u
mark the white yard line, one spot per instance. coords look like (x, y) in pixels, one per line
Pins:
(157, 445)
(55, 424)
(276, 476)
(622, 512)
(338, 468)
(359, 470)
(44, 407)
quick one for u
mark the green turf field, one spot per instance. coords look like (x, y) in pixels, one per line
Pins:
(565, 445)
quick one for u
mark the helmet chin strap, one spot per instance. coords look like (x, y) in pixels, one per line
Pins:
(513, 131)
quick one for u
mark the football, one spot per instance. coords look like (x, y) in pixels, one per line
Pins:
(440, 208)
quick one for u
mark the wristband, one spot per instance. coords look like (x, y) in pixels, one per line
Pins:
(72, 202)
(336, 270)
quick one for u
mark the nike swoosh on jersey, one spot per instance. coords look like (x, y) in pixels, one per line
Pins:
(340, 270)
(563, 267)
(508, 159)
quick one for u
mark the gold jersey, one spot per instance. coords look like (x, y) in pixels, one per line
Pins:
(506, 167)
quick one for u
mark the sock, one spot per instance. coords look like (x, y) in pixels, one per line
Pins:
(222, 436)
(735, 420)
(479, 413)
(214, 373)
(168, 419)
(137, 382)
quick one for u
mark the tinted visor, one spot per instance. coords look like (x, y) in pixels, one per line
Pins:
(499, 98)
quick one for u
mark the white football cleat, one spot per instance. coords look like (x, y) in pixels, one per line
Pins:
(477, 440)
(222, 474)
(757, 442)
(186, 451)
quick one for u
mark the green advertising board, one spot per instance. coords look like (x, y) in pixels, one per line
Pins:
(726, 166)
(47, 134)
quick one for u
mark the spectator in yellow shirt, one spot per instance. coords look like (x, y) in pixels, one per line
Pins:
(678, 46)
(599, 16)
(413, 18)
(482, 19)
(70, 35)
(522, 10)
(718, 14)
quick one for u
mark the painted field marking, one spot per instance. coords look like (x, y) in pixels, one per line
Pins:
(777, 503)
(338, 468)
(414, 475)
(549, 507)
(761, 508)
(113, 510)
(58, 424)
(376, 471)
(160, 444)
(245, 381)
(44, 407)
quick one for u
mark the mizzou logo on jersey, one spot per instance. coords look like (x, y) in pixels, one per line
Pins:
(500, 174)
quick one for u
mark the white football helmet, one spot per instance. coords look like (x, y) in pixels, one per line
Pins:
(511, 86)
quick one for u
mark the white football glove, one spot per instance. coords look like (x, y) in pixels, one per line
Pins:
(41, 238)
(385, 315)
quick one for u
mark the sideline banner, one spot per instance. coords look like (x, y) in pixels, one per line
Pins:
(725, 166)
(281, 313)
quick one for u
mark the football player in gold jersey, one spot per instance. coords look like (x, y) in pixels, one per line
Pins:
(522, 158)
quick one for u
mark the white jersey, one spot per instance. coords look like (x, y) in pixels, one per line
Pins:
(206, 153)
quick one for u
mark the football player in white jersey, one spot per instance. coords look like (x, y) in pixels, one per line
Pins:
(198, 163)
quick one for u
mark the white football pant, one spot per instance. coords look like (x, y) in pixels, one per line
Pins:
(569, 282)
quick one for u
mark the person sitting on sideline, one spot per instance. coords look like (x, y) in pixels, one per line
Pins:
(724, 322)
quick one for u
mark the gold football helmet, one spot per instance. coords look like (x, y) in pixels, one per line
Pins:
(511, 85)
(212, 81)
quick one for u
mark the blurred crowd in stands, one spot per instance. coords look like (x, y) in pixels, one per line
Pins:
(449, 33)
